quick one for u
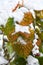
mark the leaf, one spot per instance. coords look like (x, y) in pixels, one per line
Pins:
(8, 50)
(25, 36)
(9, 28)
(28, 19)
(40, 60)
(39, 42)
(41, 36)
(20, 61)
(14, 37)
(39, 22)
(9, 47)
(39, 13)
(23, 50)
(41, 48)
(2, 28)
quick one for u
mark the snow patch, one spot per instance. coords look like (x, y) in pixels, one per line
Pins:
(31, 26)
(24, 10)
(18, 15)
(36, 36)
(32, 61)
(3, 60)
(20, 39)
(22, 28)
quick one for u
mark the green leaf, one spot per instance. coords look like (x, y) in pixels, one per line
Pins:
(41, 48)
(9, 28)
(9, 48)
(39, 22)
(20, 61)
(41, 36)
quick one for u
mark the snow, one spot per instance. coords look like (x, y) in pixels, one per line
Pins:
(22, 28)
(1, 40)
(24, 10)
(34, 41)
(31, 26)
(32, 61)
(35, 50)
(20, 39)
(6, 7)
(1, 52)
(3, 60)
(36, 27)
(33, 13)
(34, 4)
(36, 36)
(5, 37)
(41, 54)
(18, 15)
